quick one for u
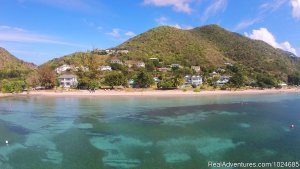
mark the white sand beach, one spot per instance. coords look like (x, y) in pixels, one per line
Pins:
(153, 92)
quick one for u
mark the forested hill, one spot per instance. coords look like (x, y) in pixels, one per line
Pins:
(12, 67)
(210, 45)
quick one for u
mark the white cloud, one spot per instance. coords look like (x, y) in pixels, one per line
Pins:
(214, 8)
(296, 8)
(272, 5)
(15, 34)
(163, 21)
(120, 34)
(266, 36)
(129, 33)
(246, 23)
(177, 5)
(115, 33)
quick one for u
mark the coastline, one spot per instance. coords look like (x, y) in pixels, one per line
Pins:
(156, 93)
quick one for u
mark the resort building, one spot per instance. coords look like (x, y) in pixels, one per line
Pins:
(104, 68)
(62, 68)
(68, 81)
(195, 80)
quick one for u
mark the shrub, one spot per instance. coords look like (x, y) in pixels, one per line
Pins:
(197, 90)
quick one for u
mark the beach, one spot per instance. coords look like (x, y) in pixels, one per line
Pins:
(152, 92)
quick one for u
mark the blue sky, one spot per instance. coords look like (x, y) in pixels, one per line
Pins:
(39, 30)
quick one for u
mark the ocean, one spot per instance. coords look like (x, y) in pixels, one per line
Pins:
(133, 132)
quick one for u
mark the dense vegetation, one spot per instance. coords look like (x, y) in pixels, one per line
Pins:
(13, 72)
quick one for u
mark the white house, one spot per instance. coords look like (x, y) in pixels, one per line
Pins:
(104, 68)
(223, 80)
(175, 65)
(196, 80)
(140, 64)
(116, 61)
(68, 81)
(62, 68)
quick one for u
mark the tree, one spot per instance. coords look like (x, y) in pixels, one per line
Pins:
(115, 79)
(46, 76)
(266, 81)
(33, 79)
(237, 80)
(294, 79)
(144, 79)
(12, 86)
(177, 81)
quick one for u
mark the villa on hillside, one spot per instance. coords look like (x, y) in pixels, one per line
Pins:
(175, 65)
(68, 81)
(153, 58)
(194, 80)
(104, 68)
(223, 80)
(140, 64)
(83, 68)
(214, 74)
(164, 69)
(118, 61)
(131, 63)
(62, 68)
(228, 64)
(196, 68)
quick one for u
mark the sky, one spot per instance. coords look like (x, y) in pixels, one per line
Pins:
(39, 30)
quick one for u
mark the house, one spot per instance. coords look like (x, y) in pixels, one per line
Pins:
(131, 63)
(214, 74)
(140, 64)
(62, 68)
(123, 51)
(228, 64)
(283, 85)
(153, 58)
(118, 61)
(156, 79)
(104, 68)
(175, 65)
(82, 68)
(131, 82)
(194, 80)
(164, 69)
(196, 68)
(68, 81)
(223, 80)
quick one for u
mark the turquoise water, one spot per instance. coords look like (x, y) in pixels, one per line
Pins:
(147, 133)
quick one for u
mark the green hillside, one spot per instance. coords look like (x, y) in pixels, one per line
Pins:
(12, 67)
(174, 45)
(210, 45)
(77, 59)
(251, 53)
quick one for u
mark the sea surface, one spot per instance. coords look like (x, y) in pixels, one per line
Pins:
(147, 132)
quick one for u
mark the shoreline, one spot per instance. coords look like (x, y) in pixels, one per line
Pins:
(155, 93)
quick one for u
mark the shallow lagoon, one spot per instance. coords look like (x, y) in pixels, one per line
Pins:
(151, 133)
